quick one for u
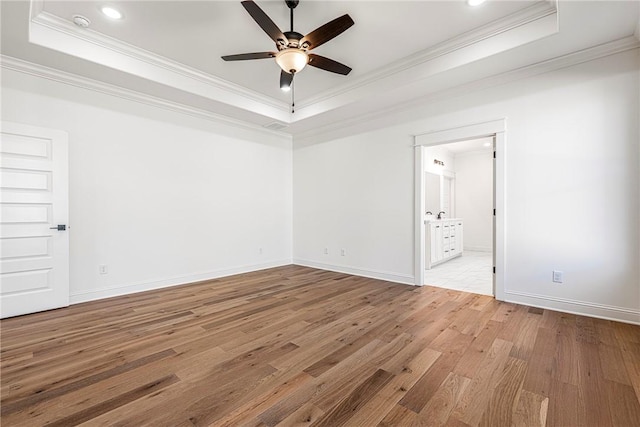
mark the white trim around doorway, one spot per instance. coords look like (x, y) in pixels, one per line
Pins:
(495, 128)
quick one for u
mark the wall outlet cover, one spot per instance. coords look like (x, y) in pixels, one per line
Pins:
(557, 276)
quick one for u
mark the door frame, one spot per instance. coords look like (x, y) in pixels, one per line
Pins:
(494, 128)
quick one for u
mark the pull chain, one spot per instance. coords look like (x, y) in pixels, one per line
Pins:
(293, 100)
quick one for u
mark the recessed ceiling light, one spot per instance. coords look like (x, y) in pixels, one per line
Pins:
(475, 2)
(487, 144)
(110, 12)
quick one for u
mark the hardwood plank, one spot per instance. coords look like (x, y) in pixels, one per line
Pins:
(475, 354)
(452, 344)
(623, 403)
(11, 404)
(438, 410)
(123, 399)
(631, 356)
(612, 364)
(473, 402)
(531, 410)
(566, 370)
(563, 405)
(400, 416)
(307, 415)
(591, 391)
(342, 412)
(541, 363)
(504, 399)
(377, 408)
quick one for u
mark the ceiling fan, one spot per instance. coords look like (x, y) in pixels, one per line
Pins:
(293, 48)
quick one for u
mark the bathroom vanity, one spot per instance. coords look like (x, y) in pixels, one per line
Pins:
(443, 240)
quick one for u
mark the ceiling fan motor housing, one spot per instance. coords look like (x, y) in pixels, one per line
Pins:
(294, 39)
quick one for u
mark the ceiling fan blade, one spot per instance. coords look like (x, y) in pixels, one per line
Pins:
(328, 64)
(285, 80)
(265, 22)
(326, 32)
(245, 56)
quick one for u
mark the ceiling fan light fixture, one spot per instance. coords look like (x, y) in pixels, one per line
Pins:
(292, 60)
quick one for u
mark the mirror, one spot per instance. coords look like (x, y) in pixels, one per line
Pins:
(432, 193)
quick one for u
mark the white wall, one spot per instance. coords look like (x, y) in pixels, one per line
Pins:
(356, 194)
(474, 198)
(442, 154)
(160, 197)
(578, 125)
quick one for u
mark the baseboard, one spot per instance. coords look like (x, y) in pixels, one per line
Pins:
(114, 291)
(374, 274)
(601, 311)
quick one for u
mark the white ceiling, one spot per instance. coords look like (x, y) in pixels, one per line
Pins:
(197, 33)
(400, 51)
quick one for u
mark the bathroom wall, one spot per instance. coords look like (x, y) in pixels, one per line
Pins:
(474, 198)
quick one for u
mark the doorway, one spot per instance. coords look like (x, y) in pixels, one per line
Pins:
(459, 215)
(460, 210)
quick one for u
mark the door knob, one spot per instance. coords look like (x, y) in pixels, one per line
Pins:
(59, 227)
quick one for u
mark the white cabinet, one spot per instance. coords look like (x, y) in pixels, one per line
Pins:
(436, 252)
(444, 240)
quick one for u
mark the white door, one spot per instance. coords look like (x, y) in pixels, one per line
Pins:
(34, 254)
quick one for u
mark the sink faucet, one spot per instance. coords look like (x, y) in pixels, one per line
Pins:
(440, 214)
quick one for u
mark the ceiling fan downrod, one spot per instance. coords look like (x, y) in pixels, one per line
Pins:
(291, 4)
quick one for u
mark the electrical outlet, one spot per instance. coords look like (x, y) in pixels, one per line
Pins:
(343, 252)
(326, 251)
(557, 276)
(103, 269)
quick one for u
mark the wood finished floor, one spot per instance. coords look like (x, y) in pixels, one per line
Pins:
(298, 346)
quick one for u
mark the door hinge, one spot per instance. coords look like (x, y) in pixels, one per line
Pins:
(494, 270)
(494, 154)
(494, 212)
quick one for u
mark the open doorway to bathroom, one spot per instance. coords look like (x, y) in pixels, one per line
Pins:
(458, 215)
(496, 130)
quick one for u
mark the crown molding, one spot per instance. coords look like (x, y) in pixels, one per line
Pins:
(51, 31)
(59, 34)
(321, 133)
(493, 29)
(25, 67)
(526, 26)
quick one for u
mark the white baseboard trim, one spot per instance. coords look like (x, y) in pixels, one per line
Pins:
(114, 291)
(601, 311)
(406, 279)
(478, 248)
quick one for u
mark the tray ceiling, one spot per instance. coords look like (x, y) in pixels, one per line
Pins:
(400, 51)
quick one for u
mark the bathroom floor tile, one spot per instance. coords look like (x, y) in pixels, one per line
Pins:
(471, 272)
